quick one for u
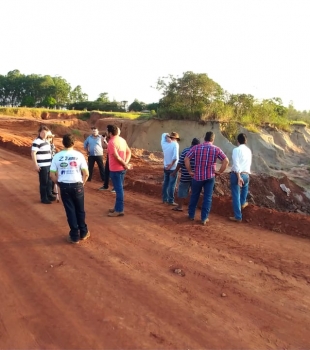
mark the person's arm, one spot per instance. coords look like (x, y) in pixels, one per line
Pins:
(175, 171)
(54, 176)
(34, 158)
(86, 146)
(85, 175)
(174, 157)
(128, 154)
(236, 163)
(187, 163)
(104, 142)
(223, 167)
(165, 139)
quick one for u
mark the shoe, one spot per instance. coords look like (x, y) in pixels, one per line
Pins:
(70, 240)
(112, 210)
(191, 219)
(113, 190)
(51, 198)
(116, 213)
(244, 205)
(86, 236)
(102, 188)
(205, 221)
(232, 218)
(46, 202)
(173, 203)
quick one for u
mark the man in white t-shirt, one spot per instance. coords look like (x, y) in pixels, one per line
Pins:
(170, 147)
(240, 176)
(70, 171)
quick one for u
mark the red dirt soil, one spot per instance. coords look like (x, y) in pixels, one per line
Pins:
(242, 286)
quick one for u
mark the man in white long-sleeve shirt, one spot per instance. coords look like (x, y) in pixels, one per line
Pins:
(240, 176)
(170, 147)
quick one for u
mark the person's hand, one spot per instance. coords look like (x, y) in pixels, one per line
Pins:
(191, 173)
(240, 182)
(168, 167)
(37, 168)
(217, 173)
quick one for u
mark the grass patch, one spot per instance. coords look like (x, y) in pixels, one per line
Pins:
(252, 128)
(76, 132)
(298, 122)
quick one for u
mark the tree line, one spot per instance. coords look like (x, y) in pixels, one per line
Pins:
(191, 96)
(20, 90)
(197, 97)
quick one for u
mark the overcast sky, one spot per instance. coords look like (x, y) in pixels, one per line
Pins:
(258, 47)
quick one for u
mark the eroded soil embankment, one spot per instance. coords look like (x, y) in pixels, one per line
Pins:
(265, 193)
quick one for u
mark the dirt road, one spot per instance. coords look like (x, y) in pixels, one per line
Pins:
(118, 291)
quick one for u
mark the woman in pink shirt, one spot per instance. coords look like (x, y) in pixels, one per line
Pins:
(119, 156)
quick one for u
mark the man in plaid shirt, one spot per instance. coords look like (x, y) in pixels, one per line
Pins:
(203, 176)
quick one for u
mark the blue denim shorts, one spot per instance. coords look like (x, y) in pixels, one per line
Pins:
(184, 189)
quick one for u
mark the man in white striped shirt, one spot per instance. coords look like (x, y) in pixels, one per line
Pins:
(240, 176)
(42, 158)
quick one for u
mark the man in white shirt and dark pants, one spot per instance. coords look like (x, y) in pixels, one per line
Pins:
(170, 147)
(70, 171)
(240, 176)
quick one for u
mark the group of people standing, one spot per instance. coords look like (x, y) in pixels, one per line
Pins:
(198, 170)
(70, 171)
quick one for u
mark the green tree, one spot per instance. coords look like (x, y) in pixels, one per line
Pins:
(242, 104)
(13, 88)
(136, 106)
(189, 95)
(62, 91)
(103, 98)
(77, 95)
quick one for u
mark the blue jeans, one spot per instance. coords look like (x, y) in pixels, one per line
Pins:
(72, 196)
(169, 186)
(117, 178)
(238, 193)
(197, 186)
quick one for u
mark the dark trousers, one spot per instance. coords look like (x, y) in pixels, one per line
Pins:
(91, 162)
(106, 174)
(72, 196)
(45, 183)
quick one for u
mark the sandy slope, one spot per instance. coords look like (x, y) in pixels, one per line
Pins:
(117, 290)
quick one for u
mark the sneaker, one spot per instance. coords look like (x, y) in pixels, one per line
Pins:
(173, 203)
(112, 210)
(205, 221)
(116, 213)
(113, 190)
(244, 205)
(86, 236)
(191, 219)
(102, 188)
(232, 218)
(70, 240)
